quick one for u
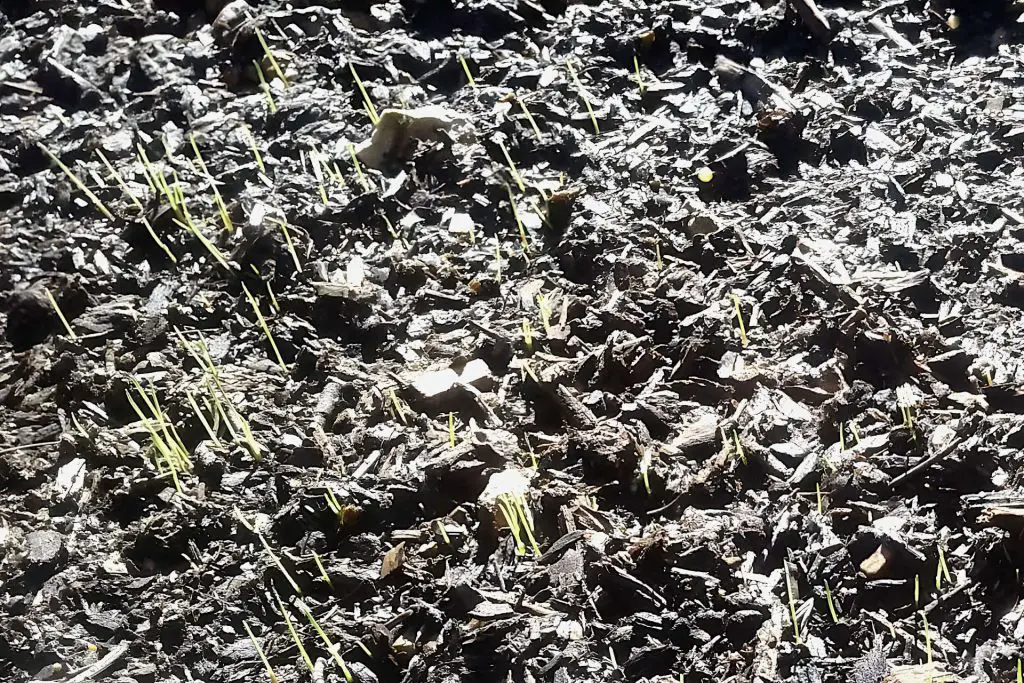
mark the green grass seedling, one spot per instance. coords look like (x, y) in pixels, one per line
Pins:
(791, 593)
(519, 221)
(266, 328)
(367, 102)
(295, 635)
(359, 169)
(270, 56)
(639, 79)
(97, 202)
(271, 104)
(289, 243)
(512, 167)
(583, 95)
(331, 648)
(739, 319)
(469, 74)
(60, 314)
(259, 650)
(323, 572)
(533, 121)
(831, 604)
(270, 552)
(250, 139)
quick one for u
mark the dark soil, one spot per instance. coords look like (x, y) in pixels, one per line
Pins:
(754, 355)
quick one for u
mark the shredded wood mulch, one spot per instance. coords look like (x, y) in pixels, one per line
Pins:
(427, 340)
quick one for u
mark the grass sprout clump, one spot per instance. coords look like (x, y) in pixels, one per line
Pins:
(169, 453)
(518, 519)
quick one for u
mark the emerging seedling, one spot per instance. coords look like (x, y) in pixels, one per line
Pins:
(202, 419)
(583, 95)
(658, 263)
(545, 313)
(533, 121)
(639, 78)
(169, 453)
(60, 314)
(138, 205)
(791, 593)
(266, 88)
(189, 226)
(270, 56)
(288, 241)
(942, 570)
(295, 635)
(219, 403)
(266, 328)
(359, 169)
(519, 221)
(270, 553)
(831, 604)
(645, 466)
(740, 453)
(451, 430)
(318, 167)
(739, 319)
(512, 167)
(444, 533)
(323, 572)
(100, 206)
(327, 641)
(367, 102)
(527, 335)
(469, 74)
(218, 200)
(397, 409)
(251, 141)
(259, 650)
(513, 508)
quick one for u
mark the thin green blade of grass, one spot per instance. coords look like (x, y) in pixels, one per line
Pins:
(210, 246)
(791, 593)
(271, 104)
(291, 244)
(331, 648)
(294, 634)
(60, 313)
(262, 655)
(270, 56)
(97, 202)
(583, 95)
(266, 328)
(469, 74)
(367, 102)
(512, 167)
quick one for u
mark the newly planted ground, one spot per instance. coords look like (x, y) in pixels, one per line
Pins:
(446, 341)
